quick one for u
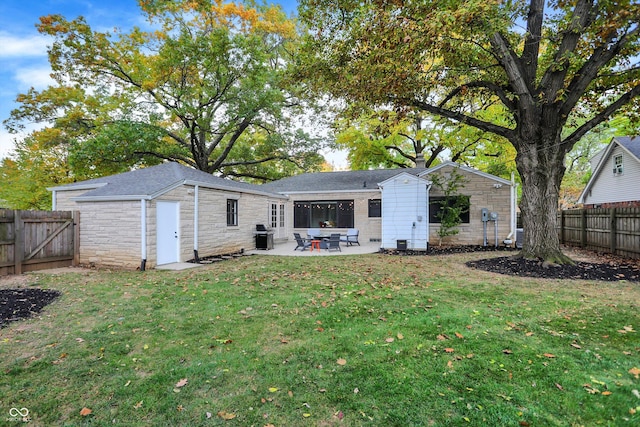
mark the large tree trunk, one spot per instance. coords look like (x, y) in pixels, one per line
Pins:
(541, 167)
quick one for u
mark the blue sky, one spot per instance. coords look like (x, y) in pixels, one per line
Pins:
(23, 51)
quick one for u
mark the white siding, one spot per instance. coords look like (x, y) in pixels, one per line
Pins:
(610, 188)
(405, 212)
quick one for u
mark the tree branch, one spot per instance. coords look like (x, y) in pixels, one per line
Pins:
(589, 71)
(602, 116)
(497, 90)
(532, 39)
(459, 117)
(554, 76)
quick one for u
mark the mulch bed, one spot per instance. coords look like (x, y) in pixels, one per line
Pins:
(17, 304)
(611, 269)
(515, 266)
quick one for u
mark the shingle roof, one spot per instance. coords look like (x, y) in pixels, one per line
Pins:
(631, 143)
(336, 181)
(153, 181)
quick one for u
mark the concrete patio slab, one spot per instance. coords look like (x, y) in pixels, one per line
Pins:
(287, 249)
(177, 266)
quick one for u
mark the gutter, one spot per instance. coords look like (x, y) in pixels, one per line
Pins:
(143, 233)
(196, 208)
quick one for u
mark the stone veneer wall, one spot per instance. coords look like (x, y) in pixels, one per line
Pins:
(482, 194)
(109, 231)
(215, 237)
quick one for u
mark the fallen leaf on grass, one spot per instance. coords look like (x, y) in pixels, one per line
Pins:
(590, 389)
(341, 362)
(85, 411)
(459, 335)
(183, 382)
(635, 372)
(549, 355)
(449, 350)
(226, 415)
(507, 351)
(574, 345)
(606, 393)
(442, 337)
(390, 339)
(400, 336)
(209, 414)
(138, 405)
(559, 387)
(273, 389)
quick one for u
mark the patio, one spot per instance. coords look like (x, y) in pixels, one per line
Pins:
(285, 248)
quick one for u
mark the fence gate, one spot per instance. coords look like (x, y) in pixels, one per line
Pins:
(37, 240)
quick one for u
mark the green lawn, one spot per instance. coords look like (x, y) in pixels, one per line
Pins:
(373, 340)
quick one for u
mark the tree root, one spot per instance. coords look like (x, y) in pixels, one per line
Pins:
(551, 260)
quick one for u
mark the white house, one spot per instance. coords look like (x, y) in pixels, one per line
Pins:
(615, 175)
(165, 214)
(172, 213)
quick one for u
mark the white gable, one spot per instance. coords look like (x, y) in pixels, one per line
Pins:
(405, 211)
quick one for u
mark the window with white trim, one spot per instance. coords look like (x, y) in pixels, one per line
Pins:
(274, 215)
(232, 212)
(617, 165)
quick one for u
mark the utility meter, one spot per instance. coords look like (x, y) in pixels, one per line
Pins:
(485, 214)
(494, 216)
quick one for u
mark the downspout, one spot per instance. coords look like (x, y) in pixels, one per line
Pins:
(53, 200)
(143, 232)
(512, 222)
(429, 183)
(195, 224)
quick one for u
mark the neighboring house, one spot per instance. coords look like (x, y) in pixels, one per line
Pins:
(615, 175)
(171, 213)
(164, 214)
(397, 204)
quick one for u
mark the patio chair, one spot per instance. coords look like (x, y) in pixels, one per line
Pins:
(302, 243)
(351, 237)
(334, 242)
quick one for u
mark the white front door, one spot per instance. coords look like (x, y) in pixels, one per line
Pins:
(167, 237)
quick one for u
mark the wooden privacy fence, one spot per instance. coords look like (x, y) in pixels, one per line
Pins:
(36, 240)
(612, 230)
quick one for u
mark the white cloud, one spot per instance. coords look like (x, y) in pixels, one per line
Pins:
(36, 77)
(6, 143)
(12, 46)
(7, 140)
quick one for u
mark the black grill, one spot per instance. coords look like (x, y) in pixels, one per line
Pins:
(264, 237)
